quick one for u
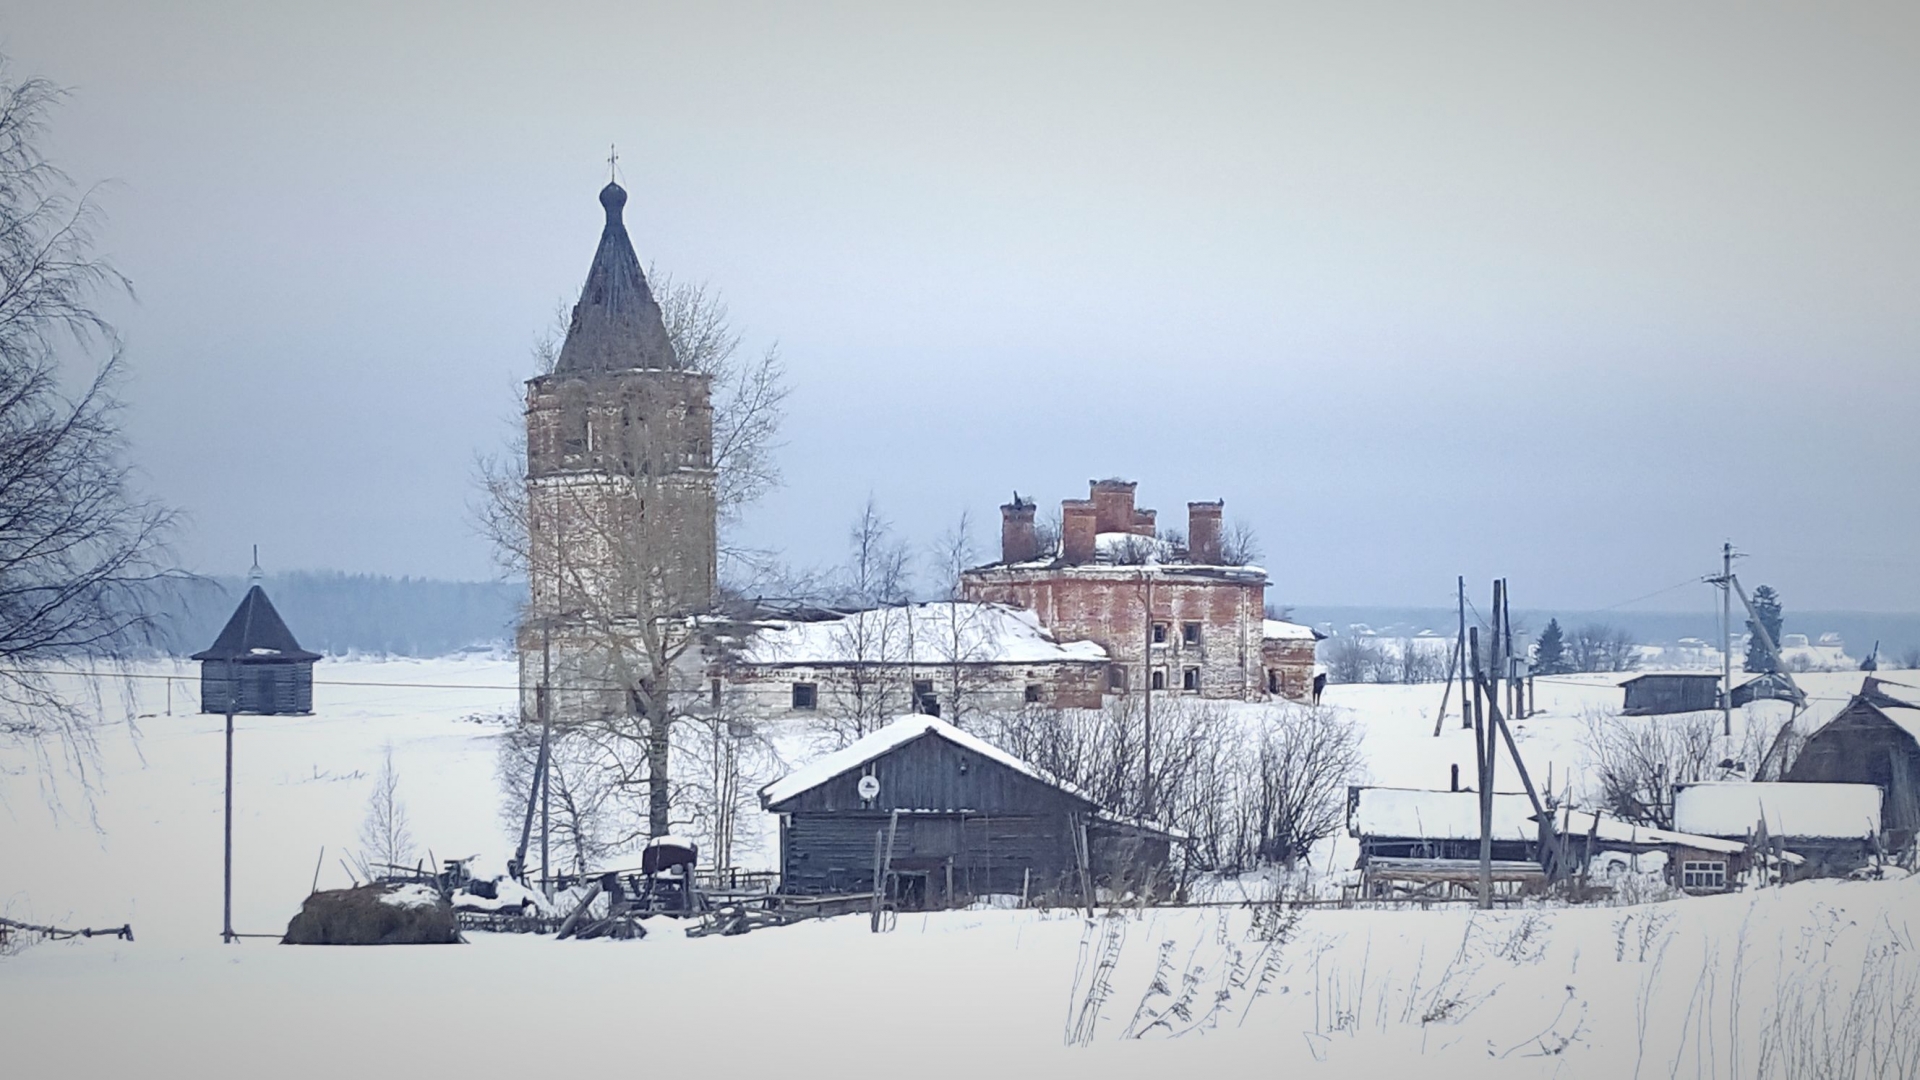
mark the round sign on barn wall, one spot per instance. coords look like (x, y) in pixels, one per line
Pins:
(869, 787)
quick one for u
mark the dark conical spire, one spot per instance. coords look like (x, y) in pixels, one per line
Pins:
(617, 323)
(255, 633)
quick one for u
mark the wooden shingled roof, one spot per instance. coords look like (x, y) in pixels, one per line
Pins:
(617, 325)
(256, 634)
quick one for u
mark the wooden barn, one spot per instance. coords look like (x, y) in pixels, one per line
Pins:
(1656, 694)
(1874, 740)
(1427, 843)
(1830, 830)
(255, 666)
(964, 817)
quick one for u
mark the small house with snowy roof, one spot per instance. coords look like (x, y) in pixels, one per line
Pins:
(1665, 692)
(255, 666)
(1833, 828)
(1874, 740)
(941, 815)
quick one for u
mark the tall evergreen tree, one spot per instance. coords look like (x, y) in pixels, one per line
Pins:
(1550, 655)
(1766, 603)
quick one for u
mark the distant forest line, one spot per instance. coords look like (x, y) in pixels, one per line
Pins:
(338, 613)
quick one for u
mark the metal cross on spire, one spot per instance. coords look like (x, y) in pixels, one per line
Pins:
(613, 159)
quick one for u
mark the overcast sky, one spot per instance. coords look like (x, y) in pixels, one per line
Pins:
(1569, 295)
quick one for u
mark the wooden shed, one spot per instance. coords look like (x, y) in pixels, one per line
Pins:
(965, 819)
(255, 666)
(1427, 843)
(1656, 694)
(1874, 740)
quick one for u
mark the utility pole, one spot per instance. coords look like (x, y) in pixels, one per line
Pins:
(1461, 641)
(1146, 688)
(1725, 582)
(1482, 782)
(546, 726)
(226, 917)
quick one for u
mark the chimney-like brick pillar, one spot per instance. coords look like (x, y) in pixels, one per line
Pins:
(1018, 540)
(1203, 531)
(1079, 524)
(1112, 505)
(1143, 522)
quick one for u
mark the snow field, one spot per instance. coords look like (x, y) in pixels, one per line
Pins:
(1735, 986)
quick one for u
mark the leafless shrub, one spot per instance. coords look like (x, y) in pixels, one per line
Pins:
(1636, 763)
(1239, 544)
(1599, 647)
(1351, 658)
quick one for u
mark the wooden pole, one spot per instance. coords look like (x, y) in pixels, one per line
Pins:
(1146, 787)
(1484, 787)
(1726, 639)
(1460, 642)
(879, 837)
(226, 916)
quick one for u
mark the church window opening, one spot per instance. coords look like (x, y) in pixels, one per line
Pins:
(805, 695)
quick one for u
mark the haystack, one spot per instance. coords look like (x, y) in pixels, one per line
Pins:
(374, 915)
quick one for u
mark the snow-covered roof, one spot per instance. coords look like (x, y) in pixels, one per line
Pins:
(1281, 630)
(1578, 823)
(936, 633)
(889, 738)
(1734, 807)
(1438, 815)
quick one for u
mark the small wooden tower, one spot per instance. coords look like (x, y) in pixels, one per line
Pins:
(255, 666)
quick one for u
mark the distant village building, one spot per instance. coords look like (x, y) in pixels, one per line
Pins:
(1831, 829)
(620, 486)
(1657, 694)
(1874, 740)
(1770, 686)
(965, 819)
(943, 659)
(255, 666)
(1180, 618)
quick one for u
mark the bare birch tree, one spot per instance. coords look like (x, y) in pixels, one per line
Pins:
(386, 841)
(80, 550)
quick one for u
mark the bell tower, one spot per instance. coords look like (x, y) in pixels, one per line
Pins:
(621, 513)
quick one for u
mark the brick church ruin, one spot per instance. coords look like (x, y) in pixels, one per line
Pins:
(1173, 615)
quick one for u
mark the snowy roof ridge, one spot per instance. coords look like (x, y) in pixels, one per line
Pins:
(1729, 808)
(1577, 823)
(936, 632)
(881, 741)
(1419, 813)
(1283, 630)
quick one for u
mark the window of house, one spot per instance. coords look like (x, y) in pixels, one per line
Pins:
(1273, 680)
(1159, 679)
(923, 698)
(1703, 875)
(1159, 633)
(1033, 693)
(805, 695)
(1190, 679)
(1117, 678)
(1190, 633)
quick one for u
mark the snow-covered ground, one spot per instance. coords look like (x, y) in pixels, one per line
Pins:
(1689, 988)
